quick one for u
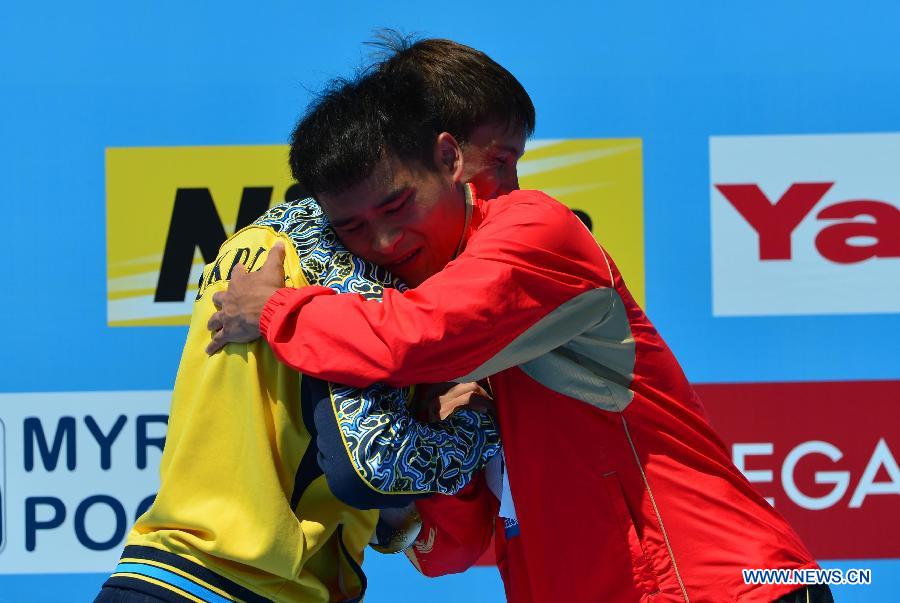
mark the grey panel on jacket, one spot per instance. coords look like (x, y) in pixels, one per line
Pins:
(559, 327)
(596, 367)
(584, 349)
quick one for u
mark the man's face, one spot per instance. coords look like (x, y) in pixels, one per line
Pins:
(491, 155)
(403, 217)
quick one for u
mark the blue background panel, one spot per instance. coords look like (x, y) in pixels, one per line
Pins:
(80, 77)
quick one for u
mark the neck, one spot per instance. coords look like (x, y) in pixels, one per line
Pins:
(469, 198)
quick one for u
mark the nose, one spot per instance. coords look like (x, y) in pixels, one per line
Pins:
(385, 240)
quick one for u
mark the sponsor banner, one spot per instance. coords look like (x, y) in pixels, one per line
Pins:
(824, 454)
(79, 468)
(602, 181)
(169, 209)
(76, 469)
(805, 224)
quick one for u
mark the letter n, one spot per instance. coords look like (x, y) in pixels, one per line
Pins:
(196, 223)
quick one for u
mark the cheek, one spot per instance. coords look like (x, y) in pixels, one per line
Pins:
(357, 244)
(432, 223)
(507, 179)
(439, 230)
(485, 181)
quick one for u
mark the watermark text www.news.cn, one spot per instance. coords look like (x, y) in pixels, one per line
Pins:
(807, 576)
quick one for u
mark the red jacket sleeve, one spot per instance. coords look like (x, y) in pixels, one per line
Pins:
(456, 530)
(530, 279)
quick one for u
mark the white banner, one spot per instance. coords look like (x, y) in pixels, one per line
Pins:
(75, 471)
(805, 224)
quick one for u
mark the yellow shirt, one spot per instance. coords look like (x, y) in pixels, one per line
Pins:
(243, 510)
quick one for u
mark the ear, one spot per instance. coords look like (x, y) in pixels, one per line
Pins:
(448, 156)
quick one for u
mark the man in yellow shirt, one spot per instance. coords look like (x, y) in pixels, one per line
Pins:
(245, 511)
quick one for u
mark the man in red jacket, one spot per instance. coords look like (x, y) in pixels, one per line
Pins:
(622, 491)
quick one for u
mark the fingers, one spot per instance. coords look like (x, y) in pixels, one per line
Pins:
(460, 389)
(215, 322)
(466, 388)
(238, 328)
(275, 261)
(480, 391)
(238, 272)
(217, 343)
(472, 400)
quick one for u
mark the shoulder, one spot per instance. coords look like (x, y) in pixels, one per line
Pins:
(304, 223)
(534, 229)
(301, 213)
(523, 201)
(250, 247)
(533, 215)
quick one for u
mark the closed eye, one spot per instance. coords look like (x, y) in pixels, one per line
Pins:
(502, 159)
(350, 228)
(399, 205)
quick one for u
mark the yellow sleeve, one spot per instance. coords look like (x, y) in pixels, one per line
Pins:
(236, 436)
(249, 246)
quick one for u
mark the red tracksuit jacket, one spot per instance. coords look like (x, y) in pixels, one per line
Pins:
(623, 491)
(457, 530)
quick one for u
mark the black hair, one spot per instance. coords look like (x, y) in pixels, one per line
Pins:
(467, 87)
(355, 123)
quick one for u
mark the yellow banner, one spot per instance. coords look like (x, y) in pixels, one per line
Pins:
(169, 209)
(602, 181)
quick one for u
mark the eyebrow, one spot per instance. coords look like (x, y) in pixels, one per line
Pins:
(394, 195)
(390, 198)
